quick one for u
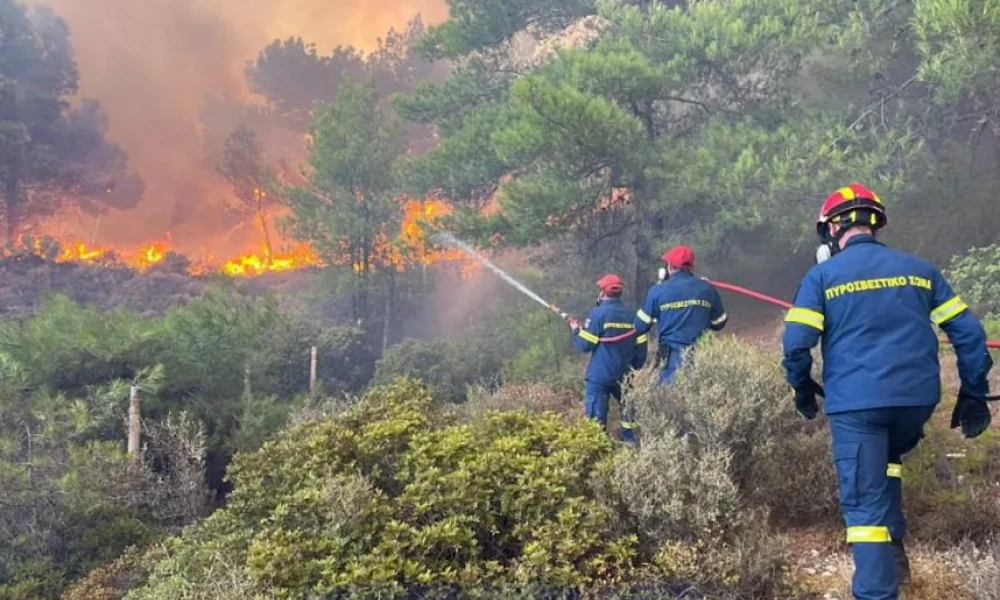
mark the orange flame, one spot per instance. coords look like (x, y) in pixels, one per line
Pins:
(408, 250)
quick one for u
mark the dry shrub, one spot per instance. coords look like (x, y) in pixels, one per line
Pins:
(672, 490)
(113, 581)
(694, 487)
(733, 396)
(534, 397)
(950, 490)
(980, 568)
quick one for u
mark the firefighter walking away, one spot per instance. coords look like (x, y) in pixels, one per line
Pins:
(684, 307)
(875, 308)
(609, 336)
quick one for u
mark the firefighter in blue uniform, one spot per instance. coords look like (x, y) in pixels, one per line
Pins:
(684, 307)
(875, 309)
(609, 336)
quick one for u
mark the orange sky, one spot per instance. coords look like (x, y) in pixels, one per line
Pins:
(153, 63)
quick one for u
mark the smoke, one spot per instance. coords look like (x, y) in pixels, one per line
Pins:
(156, 64)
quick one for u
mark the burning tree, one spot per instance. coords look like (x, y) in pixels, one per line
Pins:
(253, 181)
(49, 154)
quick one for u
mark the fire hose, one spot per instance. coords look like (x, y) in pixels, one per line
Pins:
(782, 304)
(455, 242)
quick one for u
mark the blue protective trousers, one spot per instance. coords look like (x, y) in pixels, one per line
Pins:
(671, 358)
(868, 447)
(597, 407)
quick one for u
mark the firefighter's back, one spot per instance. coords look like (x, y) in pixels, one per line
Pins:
(685, 303)
(612, 360)
(879, 344)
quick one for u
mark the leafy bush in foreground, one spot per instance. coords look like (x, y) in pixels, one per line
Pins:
(394, 494)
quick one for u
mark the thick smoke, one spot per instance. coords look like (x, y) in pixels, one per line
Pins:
(155, 64)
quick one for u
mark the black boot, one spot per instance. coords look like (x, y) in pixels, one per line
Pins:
(902, 562)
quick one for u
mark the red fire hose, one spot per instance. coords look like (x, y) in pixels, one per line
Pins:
(782, 304)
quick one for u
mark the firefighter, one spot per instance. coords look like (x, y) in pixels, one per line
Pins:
(684, 307)
(875, 309)
(609, 336)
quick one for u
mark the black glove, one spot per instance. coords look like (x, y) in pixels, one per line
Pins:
(972, 413)
(805, 399)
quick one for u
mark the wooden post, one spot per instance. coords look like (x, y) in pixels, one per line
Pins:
(312, 371)
(134, 419)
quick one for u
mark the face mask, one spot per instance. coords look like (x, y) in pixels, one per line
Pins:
(662, 274)
(824, 252)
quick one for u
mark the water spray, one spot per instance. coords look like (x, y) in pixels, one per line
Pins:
(450, 240)
(447, 238)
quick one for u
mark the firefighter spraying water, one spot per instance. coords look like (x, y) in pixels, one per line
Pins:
(443, 237)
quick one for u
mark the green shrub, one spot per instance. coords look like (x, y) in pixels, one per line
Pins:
(447, 367)
(394, 494)
(976, 276)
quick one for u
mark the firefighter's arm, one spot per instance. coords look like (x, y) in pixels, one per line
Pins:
(719, 318)
(803, 328)
(647, 314)
(966, 333)
(587, 337)
(641, 350)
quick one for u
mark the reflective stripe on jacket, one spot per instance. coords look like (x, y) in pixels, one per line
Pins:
(610, 361)
(875, 309)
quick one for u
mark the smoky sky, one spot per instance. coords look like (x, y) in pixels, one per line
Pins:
(154, 64)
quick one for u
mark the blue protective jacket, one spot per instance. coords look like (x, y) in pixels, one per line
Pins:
(875, 309)
(684, 307)
(610, 361)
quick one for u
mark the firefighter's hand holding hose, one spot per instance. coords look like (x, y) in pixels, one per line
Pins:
(574, 324)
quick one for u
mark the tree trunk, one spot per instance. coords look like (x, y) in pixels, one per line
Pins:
(265, 236)
(388, 312)
(645, 256)
(12, 201)
(312, 372)
(134, 420)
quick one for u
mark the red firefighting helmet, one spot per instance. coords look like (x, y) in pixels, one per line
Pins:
(679, 257)
(610, 283)
(851, 205)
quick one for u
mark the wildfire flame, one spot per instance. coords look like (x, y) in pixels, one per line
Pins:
(409, 250)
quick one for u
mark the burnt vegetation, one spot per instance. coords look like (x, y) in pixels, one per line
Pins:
(440, 450)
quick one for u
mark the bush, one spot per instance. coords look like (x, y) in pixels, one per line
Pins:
(976, 276)
(732, 405)
(204, 352)
(533, 397)
(447, 367)
(980, 566)
(673, 490)
(392, 494)
(114, 580)
(949, 485)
